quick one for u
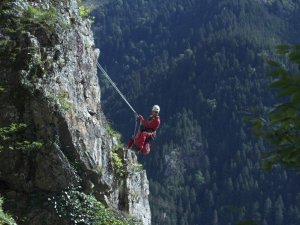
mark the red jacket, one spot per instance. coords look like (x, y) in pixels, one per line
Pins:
(146, 132)
(151, 124)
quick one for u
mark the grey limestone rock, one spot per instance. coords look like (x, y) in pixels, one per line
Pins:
(52, 86)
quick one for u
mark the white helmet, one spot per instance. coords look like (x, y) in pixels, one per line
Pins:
(155, 108)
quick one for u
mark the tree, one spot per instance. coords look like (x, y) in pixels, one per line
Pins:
(281, 126)
(267, 207)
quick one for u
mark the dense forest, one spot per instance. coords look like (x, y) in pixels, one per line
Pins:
(204, 63)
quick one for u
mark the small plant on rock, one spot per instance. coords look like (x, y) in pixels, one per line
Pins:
(4, 217)
(118, 165)
(83, 10)
(12, 138)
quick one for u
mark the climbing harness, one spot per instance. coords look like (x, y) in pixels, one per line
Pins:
(120, 93)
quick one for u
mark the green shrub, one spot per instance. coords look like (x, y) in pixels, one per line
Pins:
(12, 138)
(279, 126)
(62, 98)
(32, 19)
(83, 10)
(65, 104)
(135, 167)
(118, 165)
(38, 16)
(84, 209)
(111, 131)
(5, 219)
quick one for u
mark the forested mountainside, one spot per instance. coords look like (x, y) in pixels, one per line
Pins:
(204, 63)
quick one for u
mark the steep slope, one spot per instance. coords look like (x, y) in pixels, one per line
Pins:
(57, 150)
(203, 62)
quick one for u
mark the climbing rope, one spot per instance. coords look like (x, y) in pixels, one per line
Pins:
(122, 96)
(135, 130)
(116, 88)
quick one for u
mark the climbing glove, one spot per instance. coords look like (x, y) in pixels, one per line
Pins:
(140, 117)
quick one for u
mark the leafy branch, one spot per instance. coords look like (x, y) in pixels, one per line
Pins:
(281, 126)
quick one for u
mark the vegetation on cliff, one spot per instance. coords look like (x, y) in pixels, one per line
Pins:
(44, 147)
(81, 208)
(5, 219)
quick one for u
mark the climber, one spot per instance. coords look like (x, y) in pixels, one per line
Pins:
(146, 132)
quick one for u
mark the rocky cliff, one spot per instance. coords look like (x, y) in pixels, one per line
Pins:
(55, 144)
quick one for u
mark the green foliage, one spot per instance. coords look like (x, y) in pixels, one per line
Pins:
(8, 50)
(119, 166)
(84, 209)
(83, 10)
(111, 131)
(281, 126)
(5, 219)
(2, 89)
(12, 138)
(65, 104)
(31, 19)
(62, 99)
(37, 15)
(136, 167)
(117, 160)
